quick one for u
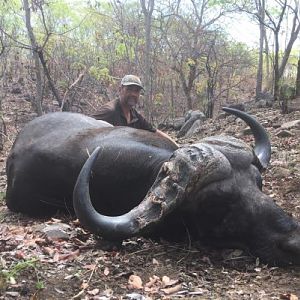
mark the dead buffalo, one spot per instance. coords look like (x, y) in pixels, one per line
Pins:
(143, 184)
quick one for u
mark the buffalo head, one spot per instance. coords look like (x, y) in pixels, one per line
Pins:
(212, 189)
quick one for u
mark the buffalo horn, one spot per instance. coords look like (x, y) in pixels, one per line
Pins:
(262, 148)
(161, 199)
(115, 228)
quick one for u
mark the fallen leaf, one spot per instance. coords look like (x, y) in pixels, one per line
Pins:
(257, 270)
(167, 282)
(66, 257)
(84, 285)
(288, 297)
(153, 285)
(172, 290)
(106, 271)
(93, 292)
(49, 251)
(89, 267)
(12, 280)
(152, 281)
(135, 282)
(20, 255)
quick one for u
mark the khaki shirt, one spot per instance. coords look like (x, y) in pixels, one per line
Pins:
(112, 113)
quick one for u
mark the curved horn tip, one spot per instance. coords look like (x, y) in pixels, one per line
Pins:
(112, 228)
(262, 147)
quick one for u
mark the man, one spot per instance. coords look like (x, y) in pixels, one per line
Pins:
(122, 112)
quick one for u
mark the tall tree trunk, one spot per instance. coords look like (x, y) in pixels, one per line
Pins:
(63, 105)
(37, 102)
(210, 98)
(269, 73)
(147, 9)
(276, 67)
(209, 87)
(172, 100)
(298, 79)
(38, 55)
(259, 75)
(186, 89)
(287, 52)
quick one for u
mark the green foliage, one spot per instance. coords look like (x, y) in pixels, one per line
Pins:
(10, 20)
(191, 62)
(101, 74)
(158, 99)
(287, 92)
(2, 196)
(220, 3)
(108, 38)
(40, 285)
(77, 66)
(15, 270)
(121, 50)
(200, 87)
(63, 84)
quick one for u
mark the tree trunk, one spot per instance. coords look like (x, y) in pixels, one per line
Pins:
(210, 99)
(298, 79)
(269, 73)
(37, 103)
(63, 106)
(209, 88)
(172, 100)
(147, 9)
(259, 75)
(276, 67)
(289, 47)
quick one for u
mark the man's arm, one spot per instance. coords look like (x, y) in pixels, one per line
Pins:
(144, 124)
(161, 133)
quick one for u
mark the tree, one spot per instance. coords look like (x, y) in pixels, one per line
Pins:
(262, 34)
(38, 55)
(37, 103)
(188, 33)
(275, 27)
(275, 14)
(147, 8)
(228, 69)
(298, 79)
(129, 34)
(178, 48)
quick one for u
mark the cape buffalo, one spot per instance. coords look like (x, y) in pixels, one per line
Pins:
(142, 184)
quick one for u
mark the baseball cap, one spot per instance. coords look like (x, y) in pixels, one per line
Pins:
(131, 80)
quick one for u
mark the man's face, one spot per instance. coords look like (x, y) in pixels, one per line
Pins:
(130, 94)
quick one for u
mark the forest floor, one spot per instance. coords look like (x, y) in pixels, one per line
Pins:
(57, 259)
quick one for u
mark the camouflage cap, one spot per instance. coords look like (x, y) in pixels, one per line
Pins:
(131, 80)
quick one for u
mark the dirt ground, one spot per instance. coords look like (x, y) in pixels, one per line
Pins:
(69, 263)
